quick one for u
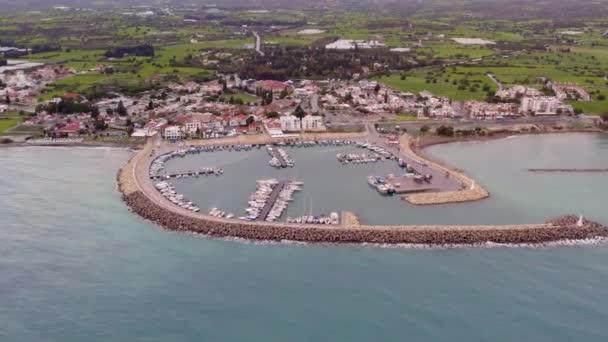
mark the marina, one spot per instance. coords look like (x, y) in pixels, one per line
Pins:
(244, 165)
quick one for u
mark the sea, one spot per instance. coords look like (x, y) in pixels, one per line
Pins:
(76, 265)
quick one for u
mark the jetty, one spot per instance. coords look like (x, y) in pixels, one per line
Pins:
(271, 200)
(568, 170)
(274, 153)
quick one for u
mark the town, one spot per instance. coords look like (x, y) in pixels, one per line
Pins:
(230, 106)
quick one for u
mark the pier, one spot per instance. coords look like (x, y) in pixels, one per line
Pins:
(274, 152)
(568, 170)
(271, 200)
(189, 173)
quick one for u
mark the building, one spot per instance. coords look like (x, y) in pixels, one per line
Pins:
(271, 85)
(544, 105)
(70, 130)
(290, 123)
(313, 123)
(197, 122)
(564, 91)
(173, 133)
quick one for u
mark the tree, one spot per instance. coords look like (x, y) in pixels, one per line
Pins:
(271, 115)
(100, 125)
(250, 120)
(94, 112)
(7, 99)
(284, 93)
(604, 116)
(150, 105)
(121, 110)
(446, 131)
(424, 129)
(377, 88)
(299, 112)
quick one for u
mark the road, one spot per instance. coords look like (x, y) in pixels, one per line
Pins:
(258, 43)
(498, 84)
(532, 120)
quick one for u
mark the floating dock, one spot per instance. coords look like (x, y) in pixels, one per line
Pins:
(271, 200)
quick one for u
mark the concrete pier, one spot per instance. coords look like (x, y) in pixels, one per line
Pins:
(274, 152)
(274, 195)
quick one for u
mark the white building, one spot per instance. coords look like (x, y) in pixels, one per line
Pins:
(290, 123)
(313, 123)
(350, 44)
(544, 105)
(173, 133)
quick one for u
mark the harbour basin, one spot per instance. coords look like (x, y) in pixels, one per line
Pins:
(501, 166)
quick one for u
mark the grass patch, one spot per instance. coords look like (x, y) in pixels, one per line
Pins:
(5, 124)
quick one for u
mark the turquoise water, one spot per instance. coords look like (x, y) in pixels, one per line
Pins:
(518, 196)
(75, 265)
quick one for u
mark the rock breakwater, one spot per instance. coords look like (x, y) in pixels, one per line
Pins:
(564, 228)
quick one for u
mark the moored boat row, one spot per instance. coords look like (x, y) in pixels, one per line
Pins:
(167, 190)
(332, 219)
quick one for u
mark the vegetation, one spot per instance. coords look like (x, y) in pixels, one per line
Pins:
(6, 124)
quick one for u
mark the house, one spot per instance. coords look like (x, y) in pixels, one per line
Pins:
(274, 86)
(173, 133)
(69, 130)
(313, 123)
(152, 127)
(290, 123)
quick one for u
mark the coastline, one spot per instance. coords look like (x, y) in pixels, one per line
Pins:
(140, 197)
(128, 145)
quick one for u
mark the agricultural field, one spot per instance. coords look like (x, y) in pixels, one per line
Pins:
(457, 84)
(527, 51)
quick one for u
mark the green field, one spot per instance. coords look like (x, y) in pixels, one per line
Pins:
(5, 124)
(246, 98)
(446, 83)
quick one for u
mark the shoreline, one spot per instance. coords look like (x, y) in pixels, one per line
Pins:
(141, 199)
(133, 145)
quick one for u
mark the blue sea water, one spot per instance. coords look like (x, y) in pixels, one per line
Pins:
(76, 265)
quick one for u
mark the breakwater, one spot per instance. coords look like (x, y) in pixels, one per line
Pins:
(563, 228)
(568, 170)
(470, 191)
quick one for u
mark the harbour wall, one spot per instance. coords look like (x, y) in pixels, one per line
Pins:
(470, 192)
(563, 228)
